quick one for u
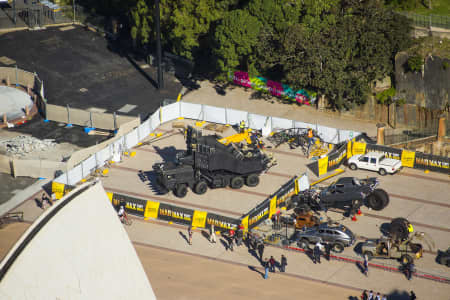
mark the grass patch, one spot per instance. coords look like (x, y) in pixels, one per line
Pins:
(434, 45)
(439, 7)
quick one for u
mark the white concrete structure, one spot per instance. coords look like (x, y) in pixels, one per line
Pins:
(77, 249)
(13, 102)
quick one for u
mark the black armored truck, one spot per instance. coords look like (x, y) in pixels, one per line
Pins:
(209, 163)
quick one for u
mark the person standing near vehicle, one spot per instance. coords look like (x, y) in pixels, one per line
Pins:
(190, 233)
(316, 252)
(260, 249)
(366, 266)
(212, 234)
(310, 138)
(283, 263)
(242, 126)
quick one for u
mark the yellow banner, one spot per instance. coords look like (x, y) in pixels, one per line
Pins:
(58, 195)
(273, 206)
(199, 219)
(358, 148)
(57, 187)
(349, 149)
(323, 165)
(110, 196)
(244, 223)
(408, 158)
(151, 210)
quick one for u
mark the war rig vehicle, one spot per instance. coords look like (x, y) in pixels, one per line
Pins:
(208, 163)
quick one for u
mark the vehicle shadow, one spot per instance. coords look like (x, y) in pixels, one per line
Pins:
(167, 153)
(149, 177)
(358, 248)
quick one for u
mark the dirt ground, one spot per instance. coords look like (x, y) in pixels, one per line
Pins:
(9, 235)
(171, 272)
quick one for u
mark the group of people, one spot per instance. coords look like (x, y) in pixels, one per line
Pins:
(270, 264)
(371, 295)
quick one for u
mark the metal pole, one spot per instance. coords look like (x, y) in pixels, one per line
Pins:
(158, 46)
(74, 5)
(14, 14)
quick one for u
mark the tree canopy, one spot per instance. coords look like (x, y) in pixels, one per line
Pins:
(336, 47)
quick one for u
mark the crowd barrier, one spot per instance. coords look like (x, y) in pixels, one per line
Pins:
(149, 209)
(409, 159)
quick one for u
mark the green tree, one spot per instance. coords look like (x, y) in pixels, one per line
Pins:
(235, 39)
(141, 21)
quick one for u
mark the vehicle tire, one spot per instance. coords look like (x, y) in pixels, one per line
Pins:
(181, 190)
(382, 172)
(353, 167)
(448, 263)
(303, 244)
(237, 182)
(384, 195)
(338, 247)
(368, 254)
(399, 229)
(252, 180)
(376, 200)
(201, 187)
(405, 259)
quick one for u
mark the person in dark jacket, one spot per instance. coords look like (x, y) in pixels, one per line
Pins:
(272, 264)
(283, 263)
(260, 250)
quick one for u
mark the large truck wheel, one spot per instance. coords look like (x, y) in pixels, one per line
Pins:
(252, 180)
(377, 200)
(385, 198)
(181, 190)
(237, 182)
(399, 229)
(201, 187)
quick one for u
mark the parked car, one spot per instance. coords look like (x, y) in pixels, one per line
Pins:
(375, 161)
(337, 235)
(443, 257)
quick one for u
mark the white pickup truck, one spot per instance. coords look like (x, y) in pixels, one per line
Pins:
(375, 161)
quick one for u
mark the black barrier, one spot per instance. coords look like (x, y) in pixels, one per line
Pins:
(388, 151)
(337, 157)
(221, 223)
(432, 162)
(259, 214)
(176, 214)
(132, 205)
(314, 167)
(285, 192)
(363, 137)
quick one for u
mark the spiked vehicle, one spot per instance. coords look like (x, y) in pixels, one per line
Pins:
(208, 163)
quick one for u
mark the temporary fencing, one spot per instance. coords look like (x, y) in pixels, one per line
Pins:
(202, 112)
(409, 159)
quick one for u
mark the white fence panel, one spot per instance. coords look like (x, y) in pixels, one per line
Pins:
(191, 110)
(257, 121)
(154, 120)
(299, 124)
(329, 135)
(214, 114)
(345, 135)
(143, 130)
(61, 178)
(131, 139)
(281, 123)
(234, 116)
(103, 156)
(88, 165)
(170, 112)
(75, 175)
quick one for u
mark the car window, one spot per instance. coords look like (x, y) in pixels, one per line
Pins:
(364, 159)
(329, 231)
(373, 160)
(321, 231)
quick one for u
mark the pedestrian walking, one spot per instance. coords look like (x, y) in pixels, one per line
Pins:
(378, 297)
(366, 266)
(190, 233)
(409, 270)
(283, 263)
(272, 264)
(370, 297)
(266, 268)
(412, 296)
(364, 295)
(260, 249)
(316, 252)
(212, 234)
(327, 251)
(231, 239)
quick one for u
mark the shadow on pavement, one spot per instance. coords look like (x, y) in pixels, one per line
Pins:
(256, 270)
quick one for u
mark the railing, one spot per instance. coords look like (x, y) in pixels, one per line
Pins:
(427, 20)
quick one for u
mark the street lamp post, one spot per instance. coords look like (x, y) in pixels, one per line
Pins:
(158, 46)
